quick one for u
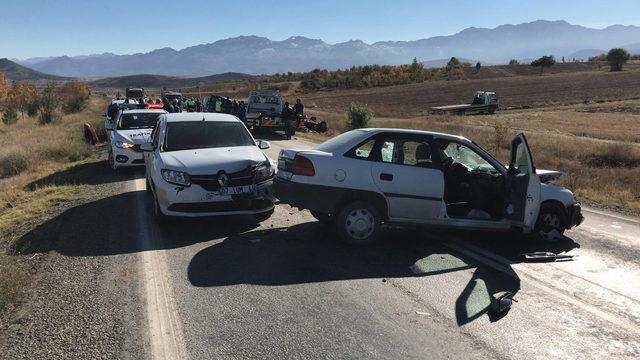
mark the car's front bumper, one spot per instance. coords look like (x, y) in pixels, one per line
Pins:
(195, 201)
(127, 157)
(575, 216)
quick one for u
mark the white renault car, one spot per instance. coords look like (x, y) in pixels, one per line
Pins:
(207, 164)
(130, 128)
(362, 178)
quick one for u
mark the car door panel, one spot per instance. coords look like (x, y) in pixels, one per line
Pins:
(524, 184)
(412, 192)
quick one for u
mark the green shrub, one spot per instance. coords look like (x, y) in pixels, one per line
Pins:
(358, 115)
(13, 162)
(10, 116)
(48, 104)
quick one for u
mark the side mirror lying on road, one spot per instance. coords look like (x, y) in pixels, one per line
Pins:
(147, 147)
(263, 144)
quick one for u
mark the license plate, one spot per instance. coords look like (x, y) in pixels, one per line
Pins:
(236, 190)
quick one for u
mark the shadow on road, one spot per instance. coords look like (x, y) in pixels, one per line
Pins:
(306, 253)
(90, 173)
(111, 226)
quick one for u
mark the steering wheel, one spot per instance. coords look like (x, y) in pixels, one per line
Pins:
(458, 170)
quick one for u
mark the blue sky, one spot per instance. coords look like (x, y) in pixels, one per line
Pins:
(77, 27)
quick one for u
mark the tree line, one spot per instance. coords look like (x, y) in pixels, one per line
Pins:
(370, 76)
(47, 104)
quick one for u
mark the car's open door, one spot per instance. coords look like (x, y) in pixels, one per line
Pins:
(524, 185)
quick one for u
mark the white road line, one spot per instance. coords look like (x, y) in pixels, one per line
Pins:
(164, 326)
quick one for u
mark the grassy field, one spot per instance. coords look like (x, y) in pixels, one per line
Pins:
(31, 152)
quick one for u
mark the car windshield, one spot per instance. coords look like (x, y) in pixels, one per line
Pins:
(138, 121)
(339, 141)
(185, 135)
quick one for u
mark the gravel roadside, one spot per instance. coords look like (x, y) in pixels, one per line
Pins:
(84, 300)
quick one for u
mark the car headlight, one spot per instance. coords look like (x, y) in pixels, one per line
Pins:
(264, 172)
(176, 177)
(124, 144)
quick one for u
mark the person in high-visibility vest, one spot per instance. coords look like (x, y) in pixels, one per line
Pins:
(218, 105)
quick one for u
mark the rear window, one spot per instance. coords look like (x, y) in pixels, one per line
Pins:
(340, 140)
(185, 135)
(137, 121)
(274, 100)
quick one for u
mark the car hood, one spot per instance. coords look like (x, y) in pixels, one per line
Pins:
(210, 161)
(547, 176)
(137, 136)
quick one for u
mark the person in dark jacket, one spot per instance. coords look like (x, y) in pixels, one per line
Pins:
(234, 112)
(298, 108)
(287, 119)
(242, 112)
(166, 105)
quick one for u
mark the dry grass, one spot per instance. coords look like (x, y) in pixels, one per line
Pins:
(30, 152)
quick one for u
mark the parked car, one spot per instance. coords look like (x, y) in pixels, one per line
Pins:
(206, 164)
(130, 128)
(363, 178)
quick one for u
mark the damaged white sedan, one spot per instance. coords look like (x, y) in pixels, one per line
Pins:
(363, 178)
(204, 164)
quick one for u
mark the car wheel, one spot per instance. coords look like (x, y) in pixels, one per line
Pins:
(551, 223)
(157, 213)
(322, 217)
(112, 162)
(358, 223)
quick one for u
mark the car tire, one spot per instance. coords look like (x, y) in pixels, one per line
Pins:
(157, 213)
(322, 217)
(551, 223)
(112, 161)
(358, 223)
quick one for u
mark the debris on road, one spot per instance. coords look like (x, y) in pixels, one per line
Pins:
(501, 301)
(423, 313)
(544, 256)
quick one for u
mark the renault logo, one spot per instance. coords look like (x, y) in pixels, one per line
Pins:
(223, 179)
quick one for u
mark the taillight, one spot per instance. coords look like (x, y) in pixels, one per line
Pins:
(303, 166)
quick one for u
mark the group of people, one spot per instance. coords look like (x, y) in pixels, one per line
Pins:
(295, 114)
(180, 105)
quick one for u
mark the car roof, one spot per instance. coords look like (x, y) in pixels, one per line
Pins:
(199, 116)
(417, 132)
(133, 111)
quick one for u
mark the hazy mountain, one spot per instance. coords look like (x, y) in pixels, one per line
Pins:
(14, 71)
(259, 55)
(157, 81)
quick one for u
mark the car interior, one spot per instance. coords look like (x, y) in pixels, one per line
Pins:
(474, 189)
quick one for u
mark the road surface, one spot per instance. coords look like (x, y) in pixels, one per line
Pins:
(223, 288)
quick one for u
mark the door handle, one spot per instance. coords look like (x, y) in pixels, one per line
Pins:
(386, 177)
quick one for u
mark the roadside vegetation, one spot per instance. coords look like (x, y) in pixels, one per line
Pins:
(44, 136)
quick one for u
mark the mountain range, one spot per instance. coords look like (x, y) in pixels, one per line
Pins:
(14, 71)
(259, 55)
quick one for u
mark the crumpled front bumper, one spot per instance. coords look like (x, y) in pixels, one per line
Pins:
(575, 215)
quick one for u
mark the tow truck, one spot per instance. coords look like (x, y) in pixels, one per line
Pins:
(264, 112)
(484, 102)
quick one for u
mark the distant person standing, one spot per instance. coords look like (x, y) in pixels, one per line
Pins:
(298, 112)
(242, 112)
(235, 108)
(218, 105)
(287, 118)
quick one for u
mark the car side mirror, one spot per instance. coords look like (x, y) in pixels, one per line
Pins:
(263, 144)
(108, 125)
(147, 146)
(104, 115)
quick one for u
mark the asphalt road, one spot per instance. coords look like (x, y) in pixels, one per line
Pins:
(127, 287)
(224, 288)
